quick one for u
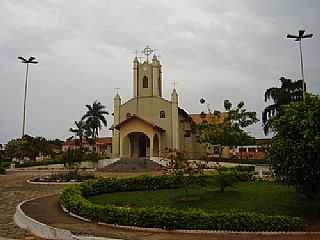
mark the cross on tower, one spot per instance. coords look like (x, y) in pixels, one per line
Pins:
(117, 90)
(147, 51)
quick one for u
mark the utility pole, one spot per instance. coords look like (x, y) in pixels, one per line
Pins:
(25, 61)
(299, 38)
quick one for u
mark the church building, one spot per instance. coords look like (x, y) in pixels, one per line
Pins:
(147, 125)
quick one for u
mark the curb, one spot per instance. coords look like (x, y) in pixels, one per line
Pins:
(52, 183)
(160, 230)
(45, 231)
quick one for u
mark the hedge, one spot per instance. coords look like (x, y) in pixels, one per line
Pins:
(37, 163)
(74, 199)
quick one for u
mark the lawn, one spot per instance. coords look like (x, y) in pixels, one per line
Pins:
(260, 197)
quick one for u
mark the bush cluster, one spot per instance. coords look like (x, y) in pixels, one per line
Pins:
(2, 170)
(58, 160)
(241, 168)
(33, 163)
(74, 199)
(239, 173)
(244, 161)
(70, 176)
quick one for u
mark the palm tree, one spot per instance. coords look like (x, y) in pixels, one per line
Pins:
(290, 91)
(80, 130)
(95, 117)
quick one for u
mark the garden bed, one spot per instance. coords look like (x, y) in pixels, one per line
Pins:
(63, 177)
(77, 200)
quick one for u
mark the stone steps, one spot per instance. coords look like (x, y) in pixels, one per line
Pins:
(133, 165)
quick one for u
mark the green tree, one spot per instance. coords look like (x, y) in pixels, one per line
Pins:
(227, 129)
(290, 91)
(82, 129)
(295, 150)
(95, 118)
(27, 146)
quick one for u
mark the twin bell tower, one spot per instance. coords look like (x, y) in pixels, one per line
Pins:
(147, 76)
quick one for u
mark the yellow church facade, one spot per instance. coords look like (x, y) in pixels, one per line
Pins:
(147, 125)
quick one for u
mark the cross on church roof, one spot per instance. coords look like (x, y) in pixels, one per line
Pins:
(148, 51)
(117, 90)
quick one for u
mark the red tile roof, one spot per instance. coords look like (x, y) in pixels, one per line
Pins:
(196, 118)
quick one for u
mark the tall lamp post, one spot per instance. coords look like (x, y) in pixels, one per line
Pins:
(23, 60)
(299, 38)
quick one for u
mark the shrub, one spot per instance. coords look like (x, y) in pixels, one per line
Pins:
(226, 179)
(2, 170)
(244, 168)
(69, 176)
(73, 198)
(42, 163)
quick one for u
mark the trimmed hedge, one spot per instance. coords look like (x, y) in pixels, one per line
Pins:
(244, 168)
(36, 163)
(73, 199)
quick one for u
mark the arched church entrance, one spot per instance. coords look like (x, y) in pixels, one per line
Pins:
(156, 147)
(139, 145)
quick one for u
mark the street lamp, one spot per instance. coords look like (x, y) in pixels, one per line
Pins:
(299, 38)
(23, 60)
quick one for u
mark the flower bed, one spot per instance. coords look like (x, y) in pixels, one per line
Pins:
(74, 199)
(64, 177)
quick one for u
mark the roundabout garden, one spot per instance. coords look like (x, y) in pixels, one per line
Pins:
(190, 202)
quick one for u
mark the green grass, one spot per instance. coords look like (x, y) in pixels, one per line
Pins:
(260, 197)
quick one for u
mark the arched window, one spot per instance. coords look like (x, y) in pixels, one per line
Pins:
(162, 114)
(145, 82)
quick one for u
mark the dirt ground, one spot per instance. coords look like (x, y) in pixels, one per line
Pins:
(14, 189)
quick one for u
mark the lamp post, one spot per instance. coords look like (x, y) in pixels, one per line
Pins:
(299, 38)
(23, 60)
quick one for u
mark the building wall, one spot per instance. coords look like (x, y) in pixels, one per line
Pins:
(148, 108)
(133, 126)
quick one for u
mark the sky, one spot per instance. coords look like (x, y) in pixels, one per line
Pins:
(211, 48)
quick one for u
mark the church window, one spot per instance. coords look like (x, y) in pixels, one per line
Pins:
(128, 115)
(162, 114)
(145, 82)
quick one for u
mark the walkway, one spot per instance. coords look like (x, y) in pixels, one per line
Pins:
(13, 190)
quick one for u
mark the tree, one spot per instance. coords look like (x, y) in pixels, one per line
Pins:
(295, 150)
(290, 91)
(95, 117)
(27, 146)
(227, 129)
(182, 167)
(80, 131)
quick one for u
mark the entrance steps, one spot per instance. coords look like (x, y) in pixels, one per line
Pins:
(133, 165)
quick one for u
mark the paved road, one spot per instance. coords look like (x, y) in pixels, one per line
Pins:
(13, 190)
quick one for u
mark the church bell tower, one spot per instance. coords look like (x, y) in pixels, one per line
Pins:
(147, 77)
